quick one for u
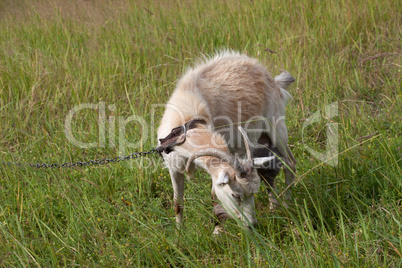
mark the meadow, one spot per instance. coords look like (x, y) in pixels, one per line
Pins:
(109, 66)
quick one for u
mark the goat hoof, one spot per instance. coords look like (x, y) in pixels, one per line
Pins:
(274, 204)
(218, 230)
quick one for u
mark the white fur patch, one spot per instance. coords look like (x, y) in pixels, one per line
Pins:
(223, 179)
(262, 161)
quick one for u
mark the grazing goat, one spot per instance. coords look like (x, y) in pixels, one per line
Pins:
(213, 102)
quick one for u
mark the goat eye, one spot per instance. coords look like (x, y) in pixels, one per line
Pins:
(236, 196)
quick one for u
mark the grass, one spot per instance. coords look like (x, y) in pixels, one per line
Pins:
(57, 55)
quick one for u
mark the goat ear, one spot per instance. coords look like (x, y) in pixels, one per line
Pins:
(261, 162)
(223, 179)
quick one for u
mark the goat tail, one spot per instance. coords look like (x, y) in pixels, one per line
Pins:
(284, 80)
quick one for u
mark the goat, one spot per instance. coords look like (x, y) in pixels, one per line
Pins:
(227, 90)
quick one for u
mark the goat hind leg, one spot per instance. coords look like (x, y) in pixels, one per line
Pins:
(290, 171)
(279, 138)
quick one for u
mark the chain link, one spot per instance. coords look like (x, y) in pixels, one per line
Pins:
(103, 161)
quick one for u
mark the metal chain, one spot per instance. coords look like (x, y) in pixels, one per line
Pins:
(103, 161)
(162, 148)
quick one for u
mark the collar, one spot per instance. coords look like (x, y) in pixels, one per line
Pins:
(176, 136)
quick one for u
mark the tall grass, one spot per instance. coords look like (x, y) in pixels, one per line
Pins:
(56, 55)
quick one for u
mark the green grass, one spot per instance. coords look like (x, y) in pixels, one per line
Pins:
(56, 55)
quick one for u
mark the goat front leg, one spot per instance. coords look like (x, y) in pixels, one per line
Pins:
(178, 189)
(220, 213)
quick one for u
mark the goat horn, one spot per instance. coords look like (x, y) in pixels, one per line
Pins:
(246, 142)
(215, 153)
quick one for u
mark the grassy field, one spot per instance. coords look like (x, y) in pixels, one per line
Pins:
(120, 60)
